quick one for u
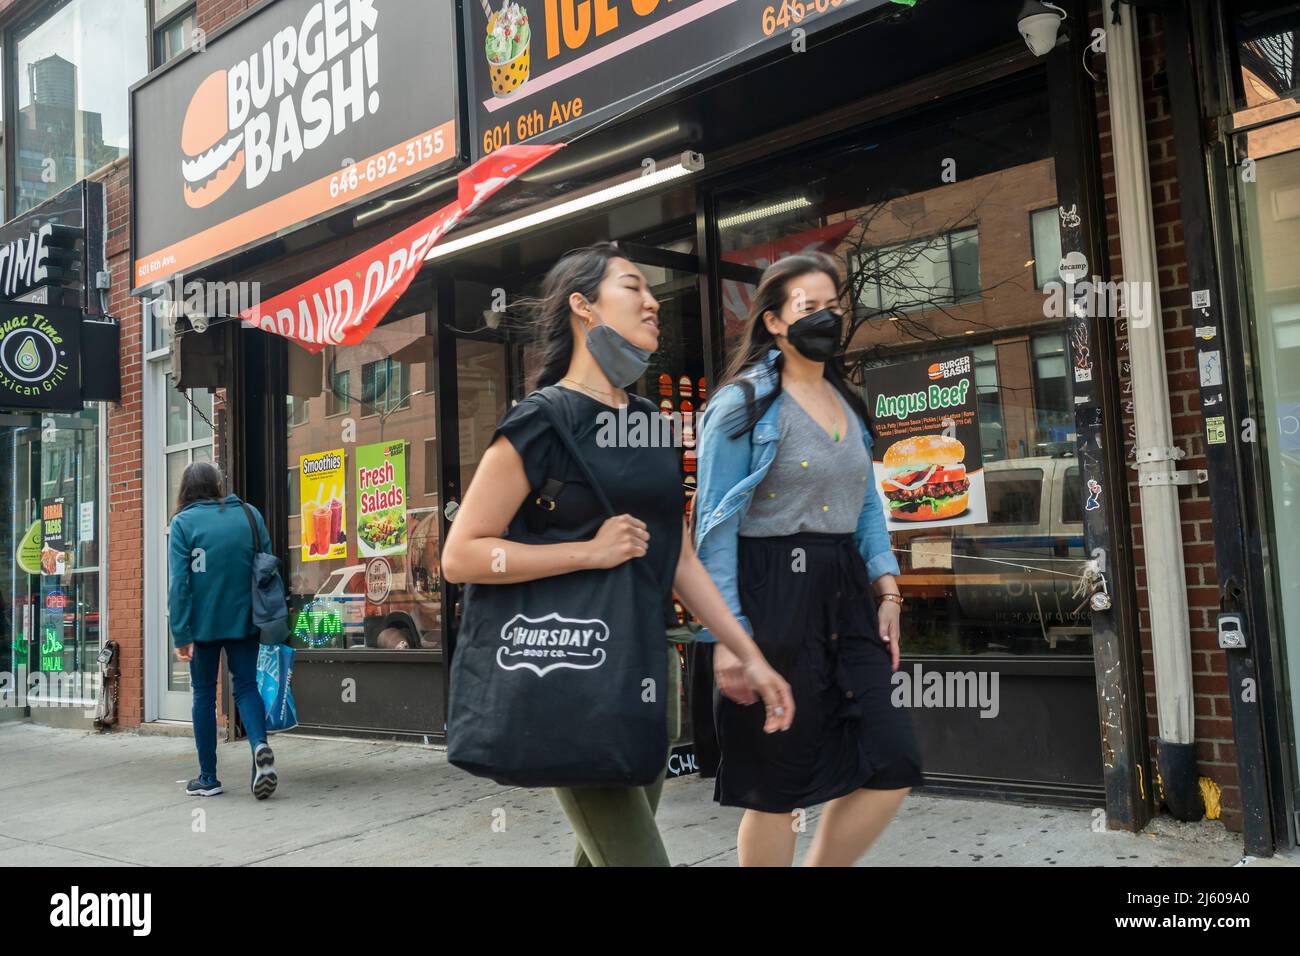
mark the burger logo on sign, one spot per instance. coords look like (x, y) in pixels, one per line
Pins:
(260, 115)
(214, 156)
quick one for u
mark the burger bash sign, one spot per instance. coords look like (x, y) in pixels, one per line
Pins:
(298, 110)
(267, 110)
(929, 466)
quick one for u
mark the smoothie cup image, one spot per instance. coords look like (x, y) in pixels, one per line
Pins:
(336, 521)
(321, 530)
(309, 528)
(507, 46)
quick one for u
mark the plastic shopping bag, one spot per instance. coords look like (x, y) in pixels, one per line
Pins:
(274, 680)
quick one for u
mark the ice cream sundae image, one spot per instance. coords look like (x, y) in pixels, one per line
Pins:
(506, 46)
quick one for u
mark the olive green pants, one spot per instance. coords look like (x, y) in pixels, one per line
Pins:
(615, 826)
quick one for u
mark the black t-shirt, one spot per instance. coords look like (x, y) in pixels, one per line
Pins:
(645, 482)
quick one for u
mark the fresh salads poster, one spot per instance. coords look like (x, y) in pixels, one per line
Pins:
(381, 499)
(929, 467)
(323, 490)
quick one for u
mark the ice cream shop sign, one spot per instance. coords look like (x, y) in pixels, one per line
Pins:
(543, 70)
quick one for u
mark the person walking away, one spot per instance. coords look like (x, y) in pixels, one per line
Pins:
(209, 607)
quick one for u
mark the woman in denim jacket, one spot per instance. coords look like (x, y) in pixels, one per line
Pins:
(790, 527)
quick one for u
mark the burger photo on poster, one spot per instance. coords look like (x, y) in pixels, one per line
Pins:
(923, 477)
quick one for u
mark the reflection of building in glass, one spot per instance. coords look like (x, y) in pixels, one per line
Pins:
(57, 143)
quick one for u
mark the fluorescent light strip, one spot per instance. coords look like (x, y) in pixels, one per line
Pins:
(559, 210)
(763, 212)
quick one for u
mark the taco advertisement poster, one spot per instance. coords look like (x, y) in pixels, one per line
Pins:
(929, 467)
(381, 499)
(323, 493)
(54, 548)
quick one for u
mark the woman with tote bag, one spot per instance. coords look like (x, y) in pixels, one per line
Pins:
(571, 539)
(210, 555)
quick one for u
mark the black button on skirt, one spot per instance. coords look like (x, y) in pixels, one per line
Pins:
(808, 598)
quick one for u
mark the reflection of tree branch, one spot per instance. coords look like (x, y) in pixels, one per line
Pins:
(898, 275)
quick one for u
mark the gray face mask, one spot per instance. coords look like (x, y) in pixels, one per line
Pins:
(621, 361)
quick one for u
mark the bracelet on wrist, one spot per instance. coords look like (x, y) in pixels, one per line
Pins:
(892, 597)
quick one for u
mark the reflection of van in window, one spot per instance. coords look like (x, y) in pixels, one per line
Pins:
(411, 615)
(347, 586)
(1014, 576)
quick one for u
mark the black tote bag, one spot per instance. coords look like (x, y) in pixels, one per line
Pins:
(562, 681)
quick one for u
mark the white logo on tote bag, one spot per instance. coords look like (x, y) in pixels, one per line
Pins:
(544, 644)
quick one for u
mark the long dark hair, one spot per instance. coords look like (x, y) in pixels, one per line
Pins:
(201, 481)
(772, 294)
(581, 270)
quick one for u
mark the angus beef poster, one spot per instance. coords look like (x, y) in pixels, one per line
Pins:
(929, 468)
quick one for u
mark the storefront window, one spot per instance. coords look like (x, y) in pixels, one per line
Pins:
(1270, 210)
(481, 400)
(50, 598)
(939, 269)
(70, 73)
(363, 525)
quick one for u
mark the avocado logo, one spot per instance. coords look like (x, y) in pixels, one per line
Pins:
(213, 155)
(29, 356)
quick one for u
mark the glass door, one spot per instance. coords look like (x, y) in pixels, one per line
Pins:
(1270, 230)
(177, 431)
(20, 589)
(50, 600)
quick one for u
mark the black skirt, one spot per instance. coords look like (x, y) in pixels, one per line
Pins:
(808, 599)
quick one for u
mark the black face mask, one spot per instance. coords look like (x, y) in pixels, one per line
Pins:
(817, 335)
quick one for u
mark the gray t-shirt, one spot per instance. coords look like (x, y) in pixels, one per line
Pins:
(815, 483)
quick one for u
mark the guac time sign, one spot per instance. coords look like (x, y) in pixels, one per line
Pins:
(40, 351)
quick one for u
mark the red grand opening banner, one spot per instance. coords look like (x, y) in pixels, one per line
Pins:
(341, 306)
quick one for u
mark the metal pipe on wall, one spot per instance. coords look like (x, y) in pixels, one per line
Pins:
(1156, 455)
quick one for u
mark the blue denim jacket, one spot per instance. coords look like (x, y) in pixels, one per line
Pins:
(729, 469)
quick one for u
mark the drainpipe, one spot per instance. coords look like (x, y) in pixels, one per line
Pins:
(1158, 478)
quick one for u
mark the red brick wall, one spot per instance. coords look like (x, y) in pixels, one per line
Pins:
(214, 13)
(124, 424)
(125, 461)
(1215, 751)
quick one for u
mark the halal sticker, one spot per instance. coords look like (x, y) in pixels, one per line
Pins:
(30, 355)
(379, 580)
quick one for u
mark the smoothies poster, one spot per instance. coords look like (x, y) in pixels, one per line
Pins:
(323, 487)
(381, 499)
(929, 467)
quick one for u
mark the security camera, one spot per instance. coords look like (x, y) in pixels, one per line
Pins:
(1039, 24)
(198, 321)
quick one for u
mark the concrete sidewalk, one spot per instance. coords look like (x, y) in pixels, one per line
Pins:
(75, 799)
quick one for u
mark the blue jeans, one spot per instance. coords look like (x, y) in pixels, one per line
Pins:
(241, 659)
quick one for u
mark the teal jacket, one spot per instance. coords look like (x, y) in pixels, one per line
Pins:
(210, 571)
